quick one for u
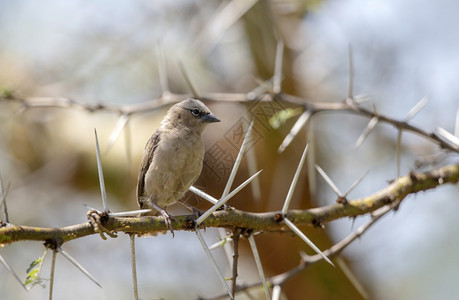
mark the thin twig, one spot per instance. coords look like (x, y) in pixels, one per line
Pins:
(236, 236)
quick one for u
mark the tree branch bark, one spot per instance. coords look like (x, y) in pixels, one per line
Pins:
(264, 222)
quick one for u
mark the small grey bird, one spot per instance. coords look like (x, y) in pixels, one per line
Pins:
(173, 156)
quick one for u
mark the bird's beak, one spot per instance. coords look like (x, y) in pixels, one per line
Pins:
(210, 118)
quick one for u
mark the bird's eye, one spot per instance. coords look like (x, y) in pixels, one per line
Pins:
(196, 112)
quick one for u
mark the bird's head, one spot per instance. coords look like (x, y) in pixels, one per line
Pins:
(190, 113)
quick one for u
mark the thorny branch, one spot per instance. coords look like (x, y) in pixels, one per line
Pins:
(265, 222)
(306, 260)
(378, 204)
(348, 105)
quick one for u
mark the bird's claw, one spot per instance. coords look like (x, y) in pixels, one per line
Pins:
(167, 220)
(96, 218)
(166, 216)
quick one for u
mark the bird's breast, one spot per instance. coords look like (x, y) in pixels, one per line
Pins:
(176, 165)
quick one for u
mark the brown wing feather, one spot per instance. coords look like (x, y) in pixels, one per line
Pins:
(147, 158)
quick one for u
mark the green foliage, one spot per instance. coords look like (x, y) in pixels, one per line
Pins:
(7, 93)
(33, 273)
(280, 117)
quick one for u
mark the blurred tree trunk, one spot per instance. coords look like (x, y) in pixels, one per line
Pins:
(264, 28)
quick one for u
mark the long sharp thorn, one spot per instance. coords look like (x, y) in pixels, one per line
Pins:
(189, 83)
(238, 160)
(276, 292)
(120, 125)
(224, 199)
(134, 267)
(51, 277)
(130, 213)
(277, 80)
(4, 194)
(127, 139)
(101, 174)
(356, 183)
(7, 266)
(368, 129)
(213, 262)
(256, 256)
(329, 182)
(454, 140)
(398, 149)
(294, 181)
(91, 208)
(203, 195)
(352, 278)
(456, 127)
(223, 241)
(417, 108)
(77, 264)
(350, 91)
(227, 243)
(294, 131)
(162, 70)
(298, 232)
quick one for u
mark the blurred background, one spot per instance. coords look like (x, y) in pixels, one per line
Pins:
(106, 52)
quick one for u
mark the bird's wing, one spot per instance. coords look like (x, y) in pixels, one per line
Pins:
(147, 158)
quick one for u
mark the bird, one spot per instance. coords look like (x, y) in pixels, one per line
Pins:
(173, 157)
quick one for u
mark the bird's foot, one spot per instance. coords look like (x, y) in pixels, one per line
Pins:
(166, 216)
(97, 218)
(167, 220)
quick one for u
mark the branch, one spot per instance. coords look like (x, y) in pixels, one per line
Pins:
(306, 260)
(265, 222)
(352, 107)
(171, 98)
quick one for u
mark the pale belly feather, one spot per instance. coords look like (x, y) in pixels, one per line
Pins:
(174, 169)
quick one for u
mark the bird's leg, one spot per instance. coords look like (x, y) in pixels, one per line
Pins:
(167, 218)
